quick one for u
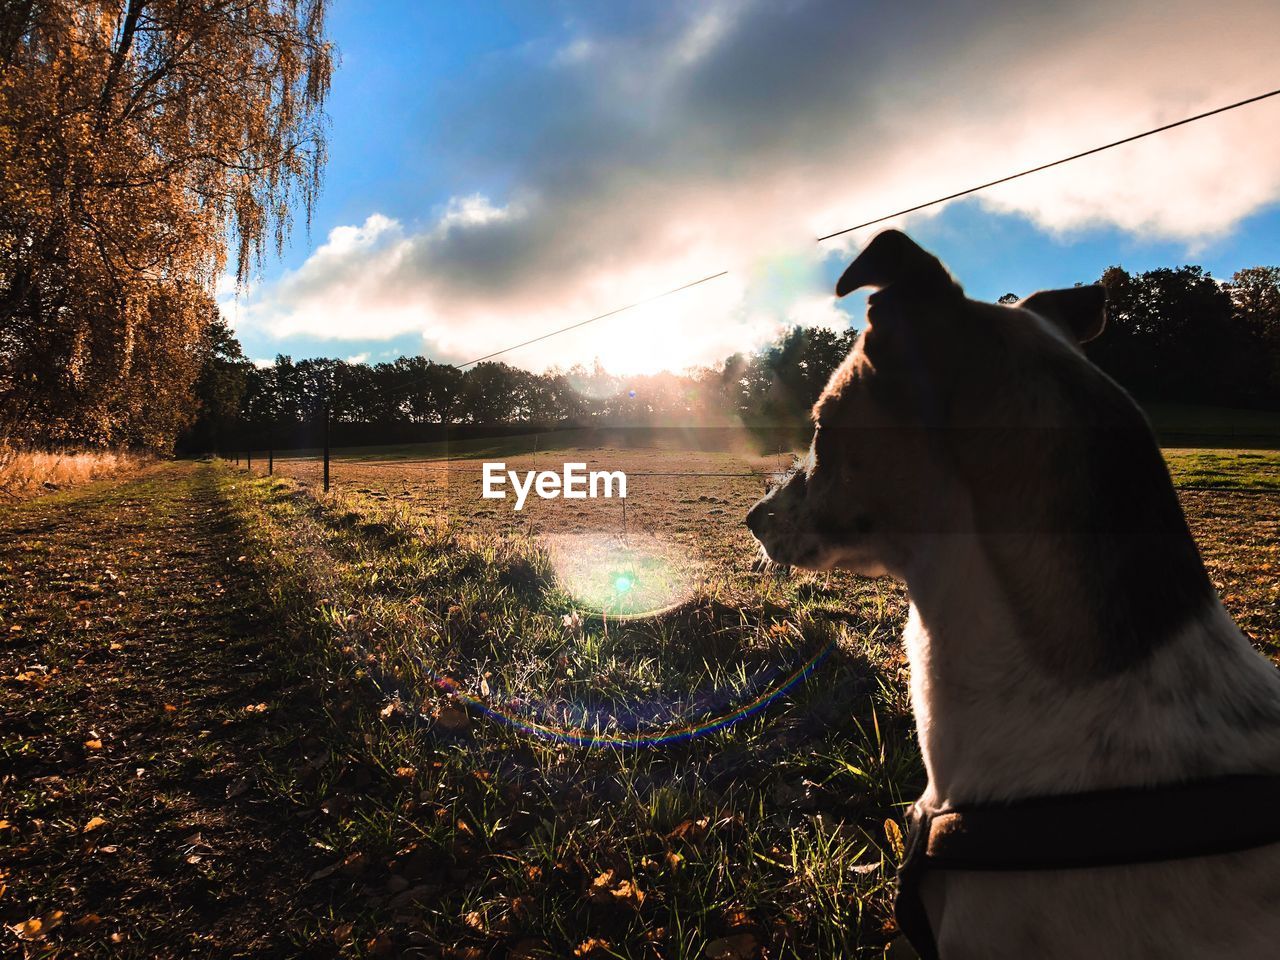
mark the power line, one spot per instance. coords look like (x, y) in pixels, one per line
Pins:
(1052, 163)
(583, 323)
(882, 219)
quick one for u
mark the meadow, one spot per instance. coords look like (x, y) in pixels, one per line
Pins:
(717, 750)
(398, 719)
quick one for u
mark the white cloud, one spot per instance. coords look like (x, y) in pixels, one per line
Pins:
(727, 136)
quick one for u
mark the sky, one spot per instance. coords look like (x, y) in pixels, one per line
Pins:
(501, 169)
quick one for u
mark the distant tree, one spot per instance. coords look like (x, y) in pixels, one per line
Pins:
(136, 137)
(493, 392)
(219, 390)
(782, 380)
(1173, 335)
(1008, 298)
(1255, 295)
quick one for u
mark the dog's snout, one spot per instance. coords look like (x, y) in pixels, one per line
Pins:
(756, 516)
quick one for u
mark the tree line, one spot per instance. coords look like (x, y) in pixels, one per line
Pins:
(1175, 334)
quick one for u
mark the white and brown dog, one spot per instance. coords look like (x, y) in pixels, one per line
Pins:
(1098, 735)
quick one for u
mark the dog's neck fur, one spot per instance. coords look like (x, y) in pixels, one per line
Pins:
(995, 723)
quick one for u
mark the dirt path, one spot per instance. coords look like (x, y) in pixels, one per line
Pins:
(137, 699)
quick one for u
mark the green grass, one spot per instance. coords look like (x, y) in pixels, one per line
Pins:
(1225, 469)
(364, 694)
(773, 826)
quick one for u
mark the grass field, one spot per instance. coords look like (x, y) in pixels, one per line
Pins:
(28, 473)
(409, 721)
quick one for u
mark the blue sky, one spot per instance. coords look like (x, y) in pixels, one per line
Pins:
(500, 169)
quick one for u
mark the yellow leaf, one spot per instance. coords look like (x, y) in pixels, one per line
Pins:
(94, 824)
(28, 929)
(93, 744)
(606, 889)
(893, 833)
(37, 927)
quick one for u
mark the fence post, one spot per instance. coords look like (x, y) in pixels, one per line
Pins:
(271, 447)
(248, 459)
(326, 444)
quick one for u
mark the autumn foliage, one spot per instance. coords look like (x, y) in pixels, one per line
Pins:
(143, 144)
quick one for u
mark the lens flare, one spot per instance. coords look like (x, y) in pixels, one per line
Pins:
(620, 576)
(617, 581)
(580, 736)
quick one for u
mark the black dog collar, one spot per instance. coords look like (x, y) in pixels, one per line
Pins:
(1104, 828)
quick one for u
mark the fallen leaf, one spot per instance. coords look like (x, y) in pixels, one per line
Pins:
(453, 717)
(406, 773)
(740, 946)
(94, 824)
(37, 927)
(606, 889)
(418, 894)
(342, 933)
(354, 864)
(169, 708)
(693, 831)
(29, 929)
(93, 744)
(893, 833)
(325, 872)
(588, 947)
(397, 883)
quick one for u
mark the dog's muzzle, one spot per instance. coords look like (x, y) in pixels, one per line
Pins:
(758, 516)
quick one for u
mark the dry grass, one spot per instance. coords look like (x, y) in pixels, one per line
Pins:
(29, 473)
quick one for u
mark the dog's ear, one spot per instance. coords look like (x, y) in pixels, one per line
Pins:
(1081, 312)
(893, 257)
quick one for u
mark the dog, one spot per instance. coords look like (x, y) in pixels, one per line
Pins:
(1069, 656)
